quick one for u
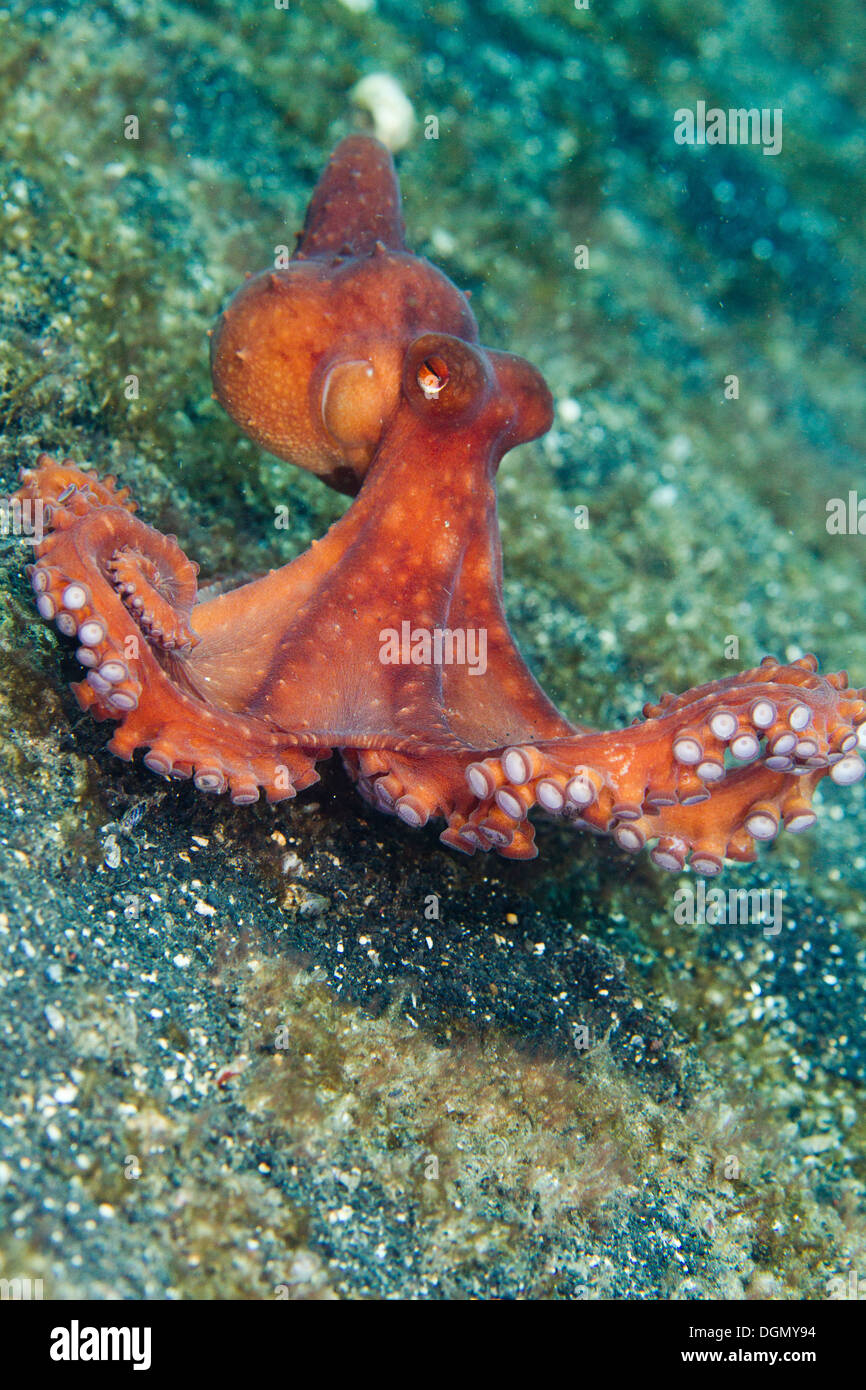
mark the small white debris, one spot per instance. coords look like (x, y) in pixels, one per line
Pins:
(444, 244)
(679, 448)
(391, 110)
(819, 1143)
(341, 1214)
(569, 411)
(303, 1268)
(664, 496)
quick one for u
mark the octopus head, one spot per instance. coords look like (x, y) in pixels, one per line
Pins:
(309, 360)
(316, 360)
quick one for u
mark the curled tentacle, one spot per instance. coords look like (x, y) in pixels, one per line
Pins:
(125, 593)
(92, 527)
(159, 589)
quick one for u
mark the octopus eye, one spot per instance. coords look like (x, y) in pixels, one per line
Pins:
(445, 378)
(433, 376)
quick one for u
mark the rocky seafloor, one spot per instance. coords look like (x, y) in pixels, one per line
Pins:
(302, 1051)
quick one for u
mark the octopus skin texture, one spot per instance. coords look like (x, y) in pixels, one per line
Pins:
(360, 362)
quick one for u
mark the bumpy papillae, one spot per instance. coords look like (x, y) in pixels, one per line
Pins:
(704, 777)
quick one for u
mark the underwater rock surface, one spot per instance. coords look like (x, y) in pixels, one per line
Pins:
(301, 1051)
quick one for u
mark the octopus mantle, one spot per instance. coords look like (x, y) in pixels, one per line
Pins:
(360, 362)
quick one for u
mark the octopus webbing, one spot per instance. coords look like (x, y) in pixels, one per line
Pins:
(360, 362)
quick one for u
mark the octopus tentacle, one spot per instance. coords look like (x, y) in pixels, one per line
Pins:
(434, 786)
(707, 774)
(159, 590)
(125, 593)
(63, 483)
(415, 788)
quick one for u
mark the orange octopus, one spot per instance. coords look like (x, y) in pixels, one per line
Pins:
(360, 362)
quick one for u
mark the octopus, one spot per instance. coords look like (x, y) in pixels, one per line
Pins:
(361, 363)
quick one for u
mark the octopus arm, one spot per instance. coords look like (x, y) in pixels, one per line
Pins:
(126, 593)
(705, 776)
